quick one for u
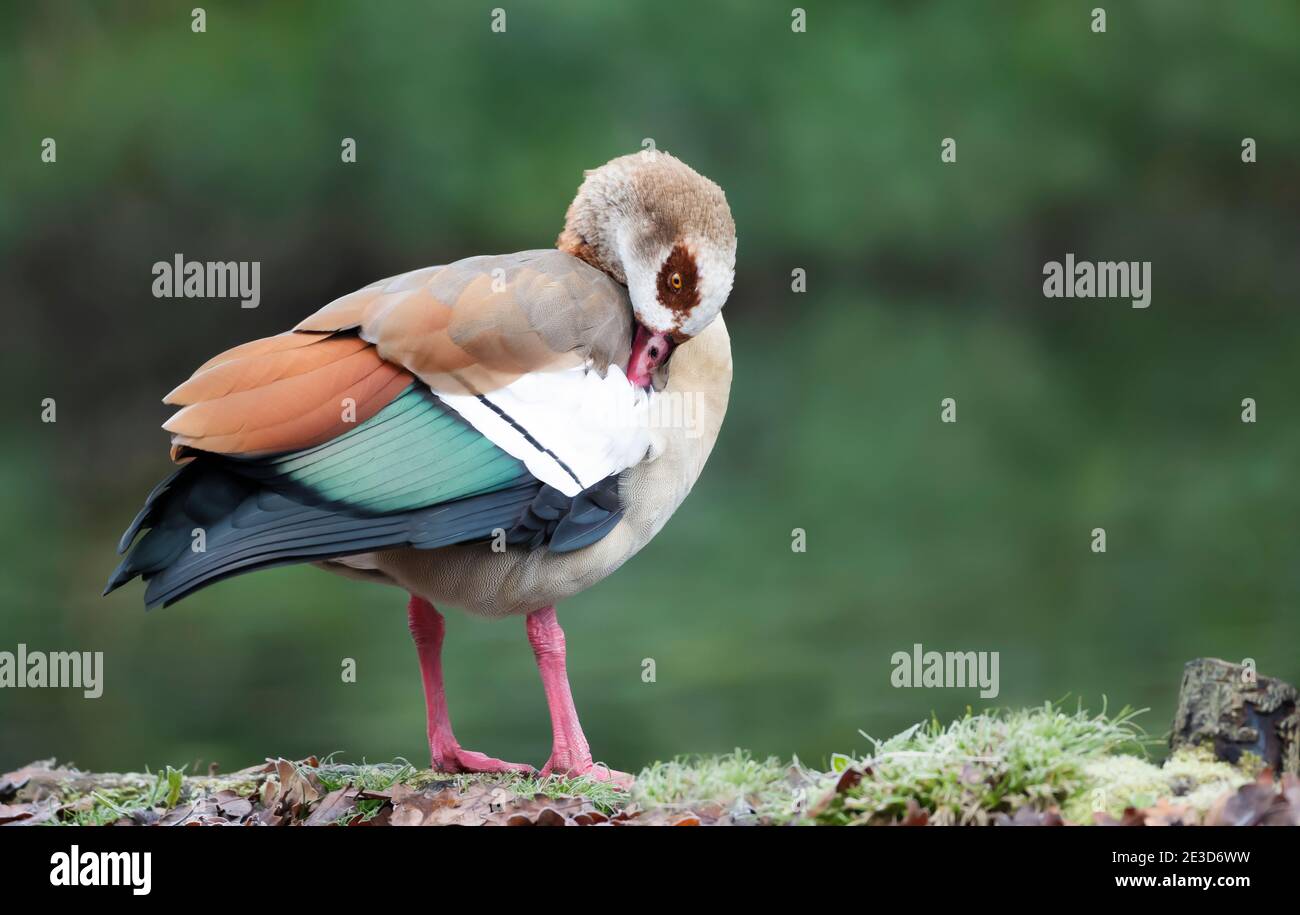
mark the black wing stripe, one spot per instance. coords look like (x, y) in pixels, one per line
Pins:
(528, 436)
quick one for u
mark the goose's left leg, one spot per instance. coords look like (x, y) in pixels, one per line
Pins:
(570, 754)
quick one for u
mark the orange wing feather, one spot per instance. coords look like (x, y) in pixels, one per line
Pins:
(282, 393)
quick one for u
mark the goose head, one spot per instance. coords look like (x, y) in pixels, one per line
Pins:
(666, 233)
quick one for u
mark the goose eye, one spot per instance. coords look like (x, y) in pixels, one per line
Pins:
(675, 281)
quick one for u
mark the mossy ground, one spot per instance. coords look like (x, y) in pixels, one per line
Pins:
(971, 771)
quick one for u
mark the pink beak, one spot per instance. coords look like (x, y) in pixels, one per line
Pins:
(649, 351)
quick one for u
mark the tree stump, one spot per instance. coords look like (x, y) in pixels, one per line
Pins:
(1235, 711)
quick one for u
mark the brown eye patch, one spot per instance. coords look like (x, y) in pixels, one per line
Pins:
(678, 278)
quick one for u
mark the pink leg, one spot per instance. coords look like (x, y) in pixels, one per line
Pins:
(570, 754)
(427, 628)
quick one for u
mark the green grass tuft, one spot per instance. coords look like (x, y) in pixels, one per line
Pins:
(981, 765)
(750, 789)
(103, 806)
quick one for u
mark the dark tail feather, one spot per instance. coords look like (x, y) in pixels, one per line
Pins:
(143, 516)
(245, 526)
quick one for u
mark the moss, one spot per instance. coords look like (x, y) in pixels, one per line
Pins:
(750, 790)
(979, 766)
(1191, 777)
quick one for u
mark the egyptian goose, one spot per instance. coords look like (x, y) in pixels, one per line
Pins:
(496, 434)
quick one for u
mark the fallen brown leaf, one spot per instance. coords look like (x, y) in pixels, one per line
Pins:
(1163, 813)
(24, 814)
(298, 789)
(1030, 816)
(446, 807)
(915, 815)
(1257, 804)
(334, 807)
(176, 815)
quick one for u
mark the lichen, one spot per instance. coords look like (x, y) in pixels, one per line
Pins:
(1191, 777)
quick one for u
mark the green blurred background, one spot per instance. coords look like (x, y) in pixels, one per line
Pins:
(924, 282)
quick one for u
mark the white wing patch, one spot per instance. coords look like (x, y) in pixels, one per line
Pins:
(571, 428)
